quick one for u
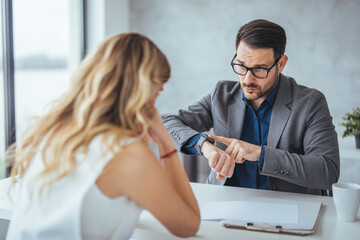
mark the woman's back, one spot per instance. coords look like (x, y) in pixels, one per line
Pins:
(73, 207)
(108, 218)
(112, 94)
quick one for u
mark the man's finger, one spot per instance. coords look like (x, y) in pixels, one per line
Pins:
(220, 177)
(224, 140)
(231, 170)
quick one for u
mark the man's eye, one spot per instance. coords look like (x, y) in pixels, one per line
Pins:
(259, 70)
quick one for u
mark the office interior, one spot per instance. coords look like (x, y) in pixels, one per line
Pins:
(44, 41)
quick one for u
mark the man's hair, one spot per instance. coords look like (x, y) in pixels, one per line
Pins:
(261, 33)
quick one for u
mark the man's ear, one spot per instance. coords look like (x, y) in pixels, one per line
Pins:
(282, 63)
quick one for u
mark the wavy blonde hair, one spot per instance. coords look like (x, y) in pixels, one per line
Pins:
(109, 94)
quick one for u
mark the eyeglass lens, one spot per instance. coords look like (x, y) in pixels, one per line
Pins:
(257, 72)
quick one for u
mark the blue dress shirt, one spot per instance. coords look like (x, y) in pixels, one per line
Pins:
(255, 130)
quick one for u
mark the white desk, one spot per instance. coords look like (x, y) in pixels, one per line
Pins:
(5, 203)
(328, 227)
(149, 228)
(5, 207)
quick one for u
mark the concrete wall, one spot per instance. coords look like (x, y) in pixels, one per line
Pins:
(105, 18)
(198, 36)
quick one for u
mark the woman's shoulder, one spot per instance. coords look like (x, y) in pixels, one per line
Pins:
(130, 164)
(135, 150)
(102, 143)
(129, 140)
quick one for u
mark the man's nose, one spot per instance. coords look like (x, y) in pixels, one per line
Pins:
(249, 77)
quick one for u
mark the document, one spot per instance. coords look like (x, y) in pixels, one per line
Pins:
(263, 212)
(290, 216)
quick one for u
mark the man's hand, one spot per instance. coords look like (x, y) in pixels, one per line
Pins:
(239, 150)
(219, 161)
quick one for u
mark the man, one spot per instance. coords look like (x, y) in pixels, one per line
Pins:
(270, 132)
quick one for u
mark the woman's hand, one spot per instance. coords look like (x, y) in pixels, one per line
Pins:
(157, 131)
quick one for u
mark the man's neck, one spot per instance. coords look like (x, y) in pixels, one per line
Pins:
(256, 103)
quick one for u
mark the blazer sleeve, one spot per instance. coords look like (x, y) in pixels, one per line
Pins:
(187, 123)
(317, 163)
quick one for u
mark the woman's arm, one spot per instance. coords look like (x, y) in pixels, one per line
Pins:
(171, 161)
(163, 189)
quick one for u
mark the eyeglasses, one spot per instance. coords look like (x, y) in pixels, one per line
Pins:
(258, 72)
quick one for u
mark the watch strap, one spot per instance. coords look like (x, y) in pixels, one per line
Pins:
(201, 141)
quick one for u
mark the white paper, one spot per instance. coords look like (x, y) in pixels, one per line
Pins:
(254, 212)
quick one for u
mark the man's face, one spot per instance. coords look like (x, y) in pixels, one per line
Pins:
(256, 88)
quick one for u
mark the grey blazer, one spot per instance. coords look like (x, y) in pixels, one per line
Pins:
(302, 153)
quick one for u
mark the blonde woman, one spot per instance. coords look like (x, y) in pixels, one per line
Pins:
(85, 169)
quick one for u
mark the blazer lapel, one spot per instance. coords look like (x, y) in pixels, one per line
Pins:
(281, 112)
(236, 115)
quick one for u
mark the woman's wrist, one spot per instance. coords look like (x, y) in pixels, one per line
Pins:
(165, 149)
(169, 154)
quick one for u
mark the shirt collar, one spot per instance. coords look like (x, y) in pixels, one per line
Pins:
(270, 99)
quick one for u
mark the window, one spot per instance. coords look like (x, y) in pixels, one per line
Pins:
(3, 94)
(47, 41)
(2, 127)
(2, 113)
(41, 54)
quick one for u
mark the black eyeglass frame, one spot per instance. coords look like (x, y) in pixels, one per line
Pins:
(251, 69)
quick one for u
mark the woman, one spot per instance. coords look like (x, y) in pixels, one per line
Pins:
(85, 169)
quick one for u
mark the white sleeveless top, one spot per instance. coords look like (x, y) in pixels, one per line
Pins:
(73, 207)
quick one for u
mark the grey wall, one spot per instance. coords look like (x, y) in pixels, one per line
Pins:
(198, 37)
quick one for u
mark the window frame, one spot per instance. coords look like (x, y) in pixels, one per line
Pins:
(78, 14)
(8, 75)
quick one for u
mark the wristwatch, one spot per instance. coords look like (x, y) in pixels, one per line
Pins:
(201, 141)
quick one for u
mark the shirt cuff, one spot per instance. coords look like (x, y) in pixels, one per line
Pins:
(262, 156)
(189, 146)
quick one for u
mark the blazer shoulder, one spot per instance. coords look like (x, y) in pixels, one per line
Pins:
(226, 90)
(301, 91)
(228, 85)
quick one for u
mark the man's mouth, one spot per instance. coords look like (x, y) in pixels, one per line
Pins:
(249, 88)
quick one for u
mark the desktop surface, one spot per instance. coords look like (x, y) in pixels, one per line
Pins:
(328, 227)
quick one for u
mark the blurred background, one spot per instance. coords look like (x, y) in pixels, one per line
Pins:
(46, 40)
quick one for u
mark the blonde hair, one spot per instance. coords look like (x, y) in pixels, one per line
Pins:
(109, 94)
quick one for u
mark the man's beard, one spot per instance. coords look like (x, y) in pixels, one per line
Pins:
(261, 92)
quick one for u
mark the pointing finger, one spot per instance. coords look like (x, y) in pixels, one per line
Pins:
(224, 140)
(220, 177)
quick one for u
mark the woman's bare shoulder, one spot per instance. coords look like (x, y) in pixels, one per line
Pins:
(134, 162)
(137, 155)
